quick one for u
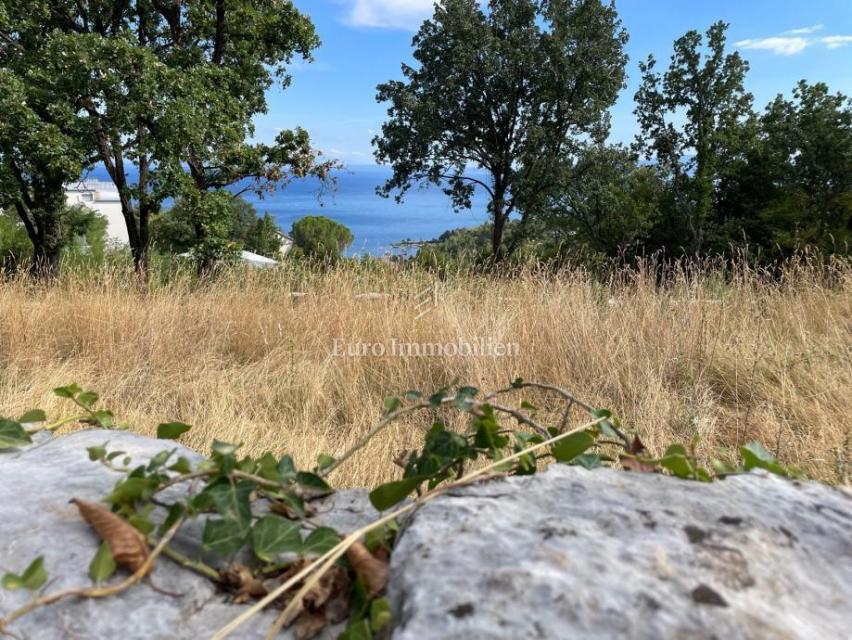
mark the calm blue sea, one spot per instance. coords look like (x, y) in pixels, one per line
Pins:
(375, 222)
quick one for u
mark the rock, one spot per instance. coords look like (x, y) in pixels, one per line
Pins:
(37, 519)
(571, 553)
(567, 553)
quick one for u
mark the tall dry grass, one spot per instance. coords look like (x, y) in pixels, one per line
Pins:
(727, 359)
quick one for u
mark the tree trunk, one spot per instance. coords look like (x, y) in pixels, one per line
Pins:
(45, 265)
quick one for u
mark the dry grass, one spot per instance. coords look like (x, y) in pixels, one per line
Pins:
(243, 360)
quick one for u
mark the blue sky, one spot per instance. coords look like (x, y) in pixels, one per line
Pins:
(364, 42)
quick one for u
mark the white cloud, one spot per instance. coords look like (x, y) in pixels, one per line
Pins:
(398, 14)
(794, 41)
(804, 30)
(781, 45)
(834, 42)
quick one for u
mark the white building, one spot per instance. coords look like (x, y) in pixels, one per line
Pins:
(286, 243)
(103, 198)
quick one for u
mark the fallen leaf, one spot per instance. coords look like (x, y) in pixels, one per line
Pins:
(370, 569)
(309, 625)
(632, 462)
(244, 583)
(128, 547)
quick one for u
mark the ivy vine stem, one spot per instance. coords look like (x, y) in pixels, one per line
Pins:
(319, 566)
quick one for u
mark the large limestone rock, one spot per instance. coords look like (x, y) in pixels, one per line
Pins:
(607, 554)
(568, 553)
(36, 519)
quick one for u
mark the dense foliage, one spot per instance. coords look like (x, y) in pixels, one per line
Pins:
(320, 237)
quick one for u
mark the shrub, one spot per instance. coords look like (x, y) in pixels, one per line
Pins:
(321, 237)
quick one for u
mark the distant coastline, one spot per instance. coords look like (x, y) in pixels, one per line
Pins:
(376, 222)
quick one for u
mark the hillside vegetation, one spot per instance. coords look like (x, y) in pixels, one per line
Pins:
(724, 358)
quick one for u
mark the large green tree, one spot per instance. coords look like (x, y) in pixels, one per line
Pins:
(159, 86)
(507, 90)
(693, 122)
(40, 147)
(812, 133)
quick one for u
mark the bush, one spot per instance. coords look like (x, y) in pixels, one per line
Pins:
(321, 237)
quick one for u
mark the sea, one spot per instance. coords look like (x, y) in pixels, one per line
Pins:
(378, 224)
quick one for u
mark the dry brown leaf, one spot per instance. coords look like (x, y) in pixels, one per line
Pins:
(129, 547)
(309, 625)
(244, 583)
(632, 463)
(370, 569)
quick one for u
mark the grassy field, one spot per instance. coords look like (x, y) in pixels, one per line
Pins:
(242, 359)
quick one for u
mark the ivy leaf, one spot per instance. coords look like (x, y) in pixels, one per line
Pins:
(464, 398)
(313, 484)
(172, 430)
(287, 468)
(102, 565)
(517, 383)
(104, 418)
(677, 461)
(605, 425)
(357, 630)
(392, 404)
(380, 614)
(182, 466)
(225, 536)
(97, 453)
(324, 461)
(36, 415)
(272, 536)
(67, 392)
(588, 461)
(319, 541)
(574, 445)
(33, 577)
(387, 495)
(413, 395)
(87, 398)
(13, 434)
(755, 455)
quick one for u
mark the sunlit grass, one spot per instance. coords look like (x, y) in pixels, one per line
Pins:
(722, 359)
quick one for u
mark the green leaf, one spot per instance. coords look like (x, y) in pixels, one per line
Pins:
(357, 630)
(272, 536)
(67, 392)
(224, 448)
(13, 434)
(677, 461)
(287, 467)
(87, 398)
(97, 453)
(231, 501)
(517, 383)
(324, 461)
(413, 395)
(313, 483)
(225, 537)
(182, 466)
(606, 425)
(175, 512)
(33, 577)
(319, 541)
(131, 489)
(141, 523)
(588, 461)
(392, 404)
(464, 398)
(36, 415)
(387, 495)
(172, 430)
(574, 445)
(102, 565)
(380, 614)
(755, 455)
(105, 418)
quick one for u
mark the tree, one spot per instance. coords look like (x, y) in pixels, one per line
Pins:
(174, 230)
(508, 91)
(813, 135)
(604, 201)
(38, 155)
(704, 91)
(320, 237)
(158, 86)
